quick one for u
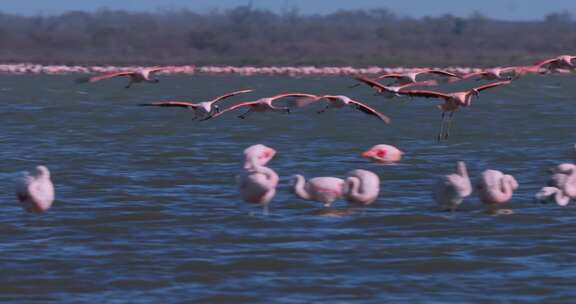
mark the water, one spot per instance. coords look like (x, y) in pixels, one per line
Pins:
(147, 207)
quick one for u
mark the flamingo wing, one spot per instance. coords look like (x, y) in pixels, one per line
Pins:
(372, 83)
(390, 76)
(430, 82)
(228, 95)
(546, 62)
(177, 104)
(423, 93)
(492, 85)
(156, 69)
(284, 95)
(232, 108)
(103, 77)
(441, 72)
(370, 111)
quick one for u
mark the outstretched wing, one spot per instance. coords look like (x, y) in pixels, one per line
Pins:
(423, 93)
(372, 83)
(492, 85)
(177, 104)
(232, 108)
(155, 69)
(228, 95)
(103, 77)
(284, 95)
(370, 111)
(441, 72)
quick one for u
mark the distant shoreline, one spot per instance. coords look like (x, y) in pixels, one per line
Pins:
(293, 71)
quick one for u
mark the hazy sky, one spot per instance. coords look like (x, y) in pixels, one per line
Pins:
(501, 9)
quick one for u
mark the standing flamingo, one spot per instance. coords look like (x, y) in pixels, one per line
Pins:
(451, 189)
(496, 188)
(564, 178)
(201, 109)
(258, 154)
(552, 194)
(262, 105)
(258, 184)
(452, 102)
(136, 76)
(383, 154)
(35, 191)
(321, 189)
(362, 187)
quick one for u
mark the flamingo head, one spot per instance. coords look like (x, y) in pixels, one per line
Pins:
(258, 154)
(383, 154)
(42, 171)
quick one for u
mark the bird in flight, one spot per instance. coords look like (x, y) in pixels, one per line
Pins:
(136, 76)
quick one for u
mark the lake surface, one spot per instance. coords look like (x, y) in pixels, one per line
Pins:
(148, 210)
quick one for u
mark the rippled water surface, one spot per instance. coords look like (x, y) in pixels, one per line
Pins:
(148, 211)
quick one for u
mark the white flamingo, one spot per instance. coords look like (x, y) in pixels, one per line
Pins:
(450, 190)
(321, 189)
(362, 187)
(35, 190)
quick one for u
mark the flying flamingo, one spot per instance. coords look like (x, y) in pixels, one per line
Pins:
(558, 63)
(201, 109)
(35, 191)
(321, 189)
(262, 105)
(383, 154)
(492, 74)
(136, 76)
(410, 76)
(451, 189)
(258, 154)
(391, 91)
(340, 101)
(452, 102)
(552, 194)
(362, 187)
(496, 188)
(257, 184)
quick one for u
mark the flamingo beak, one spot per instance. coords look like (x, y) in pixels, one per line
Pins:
(368, 154)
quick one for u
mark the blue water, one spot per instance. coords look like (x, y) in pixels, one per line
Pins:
(147, 207)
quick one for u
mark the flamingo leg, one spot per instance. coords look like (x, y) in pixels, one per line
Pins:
(265, 210)
(323, 110)
(129, 84)
(449, 124)
(442, 126)
(245, 114)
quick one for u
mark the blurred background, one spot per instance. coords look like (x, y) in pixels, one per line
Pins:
(284, 32)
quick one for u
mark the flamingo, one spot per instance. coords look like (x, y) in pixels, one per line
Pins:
(492, 74)
(383, 154)
(259, 154)
(362, 187)
(452, 102)
(558, 63)
(321, 189)
(410, 76)
(201, 109)
(257, 184)
(391, 91)
(136, 76)
(496, 188)
(564, 178)
(35, 190)
(262, 105)
(340, 101)
(552, 194)
(451, 189)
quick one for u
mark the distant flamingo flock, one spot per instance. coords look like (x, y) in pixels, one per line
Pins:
(257, 182)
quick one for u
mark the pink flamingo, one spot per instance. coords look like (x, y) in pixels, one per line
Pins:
(262, 105)
(201, 109)
(136, 76)
(321, 189)
(564, 178)
(451, 189)
(558, 63)
(496, 188)
(492, 74)
(391, 91)
(452, 102)
(258, 154)
(552, 194)
(383, 154)
(258, 184)
(410, 76)
(340, 101)
(35, 191)
(362, 187)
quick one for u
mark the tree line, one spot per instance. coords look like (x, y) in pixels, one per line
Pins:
(248, 36)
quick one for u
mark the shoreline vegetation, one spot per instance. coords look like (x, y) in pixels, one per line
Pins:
(245, 36)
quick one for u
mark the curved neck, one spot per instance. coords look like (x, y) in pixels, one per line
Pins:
(570, 184)
(354, 188)
(461, 169)
(300, 188)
